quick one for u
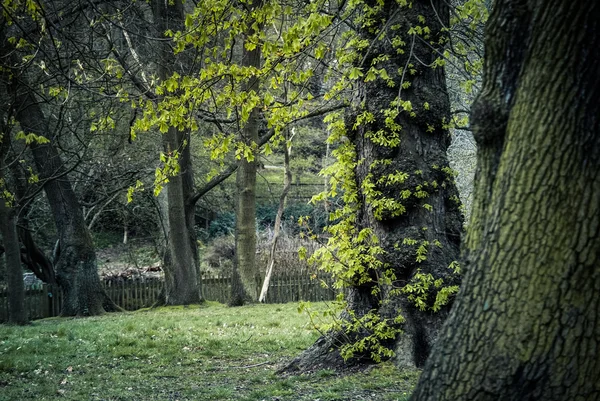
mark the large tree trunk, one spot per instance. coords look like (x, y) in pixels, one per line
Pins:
(430, 217)
(181, 265)
(526, 325)
(76, 269)
(245, 284)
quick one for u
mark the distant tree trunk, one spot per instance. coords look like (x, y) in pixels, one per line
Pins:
(245, 287)
(182, 276)
(76, 269)
(287, 182)
(17, 314)
(428, 194)
(526, 325)
(245, 272)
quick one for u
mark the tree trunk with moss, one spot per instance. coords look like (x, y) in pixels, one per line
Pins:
(405, 191)
(181, 265)
(526, 325)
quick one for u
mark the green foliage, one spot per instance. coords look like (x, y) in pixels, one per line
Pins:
(381, 331)
(226, 87)
(5, 195)
(223, 224)
(31, 138)
(423, 287)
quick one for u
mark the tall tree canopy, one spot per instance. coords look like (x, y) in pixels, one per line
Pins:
(526, 325)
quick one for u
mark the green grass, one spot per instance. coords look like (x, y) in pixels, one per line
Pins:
(207, 352)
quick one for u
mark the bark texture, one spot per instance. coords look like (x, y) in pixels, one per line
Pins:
(181, 265)
(526, 325)
(422, 155)
(245, 281)
(76, 268)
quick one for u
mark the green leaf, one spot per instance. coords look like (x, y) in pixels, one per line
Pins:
(355, 73)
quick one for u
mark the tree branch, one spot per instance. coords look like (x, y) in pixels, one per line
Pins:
(263, 140)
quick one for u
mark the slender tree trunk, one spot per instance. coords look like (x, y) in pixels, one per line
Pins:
(182, 278)
(76, 269)
(245, 273)
(287, 183)
(526, 325)
(245, 287)
(432, 216)
(17, 314)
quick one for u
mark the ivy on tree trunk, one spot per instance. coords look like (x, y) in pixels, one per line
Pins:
(401, 224)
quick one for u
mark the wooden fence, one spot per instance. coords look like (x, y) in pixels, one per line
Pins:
(282, 288)
(43, 300)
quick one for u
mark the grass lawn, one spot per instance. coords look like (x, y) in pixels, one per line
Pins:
(207, 352)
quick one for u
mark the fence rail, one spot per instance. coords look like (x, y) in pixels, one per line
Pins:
(43, 300)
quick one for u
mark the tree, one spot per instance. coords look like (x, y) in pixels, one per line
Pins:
(76, 268)
(244, 287)
(182, 281)
(287, 182)
(399, 230)
(526, 325)
(17, 314)
(229, 91)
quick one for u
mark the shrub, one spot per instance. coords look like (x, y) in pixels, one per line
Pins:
(223, 224)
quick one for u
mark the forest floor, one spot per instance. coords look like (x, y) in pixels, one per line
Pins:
(207, 352)
(135, 259)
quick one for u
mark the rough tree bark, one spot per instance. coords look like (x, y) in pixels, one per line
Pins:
(526, 325)
(245, 287)
(76, 268)
(181, 265)
(422, 155)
